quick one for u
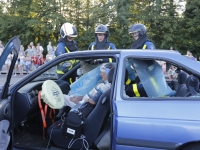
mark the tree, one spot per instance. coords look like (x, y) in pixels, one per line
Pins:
(191, 27)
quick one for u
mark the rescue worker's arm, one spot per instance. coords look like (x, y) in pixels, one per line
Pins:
(135, 90)
(112, 46)
(149, 45)
(60, 49)
(91, 45)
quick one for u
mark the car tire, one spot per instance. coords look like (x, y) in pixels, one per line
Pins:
(195, 146)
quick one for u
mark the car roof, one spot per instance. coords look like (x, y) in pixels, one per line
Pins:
(173, 57)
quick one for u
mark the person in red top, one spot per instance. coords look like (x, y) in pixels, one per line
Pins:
(34, 59)
(41, 60)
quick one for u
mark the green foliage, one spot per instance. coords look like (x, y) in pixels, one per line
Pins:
(40, 21)
(191, 28)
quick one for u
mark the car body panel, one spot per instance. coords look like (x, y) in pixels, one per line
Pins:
(151, 123)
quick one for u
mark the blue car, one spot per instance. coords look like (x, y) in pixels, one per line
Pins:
(145, 108)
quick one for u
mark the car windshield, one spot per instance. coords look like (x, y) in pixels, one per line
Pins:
(49, 74)
(67, 69)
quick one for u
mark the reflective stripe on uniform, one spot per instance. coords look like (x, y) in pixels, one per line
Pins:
(67, 49)
(144, 47)
(128, 81)
(59, 72)
(110, 59)
(70, 80)
(92, 48)
(71, 61)
(135, 90)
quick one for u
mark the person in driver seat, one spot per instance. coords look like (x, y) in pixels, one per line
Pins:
(95, 93)
(55, 131)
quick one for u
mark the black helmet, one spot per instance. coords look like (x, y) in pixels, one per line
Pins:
(140, 28)
(102, 29)
(68, 30)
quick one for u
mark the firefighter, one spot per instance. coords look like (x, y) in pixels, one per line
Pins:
(141, 41)
(66, 44)
(134, 88)
(101, 42)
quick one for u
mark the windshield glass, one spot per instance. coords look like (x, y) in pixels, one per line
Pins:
(69, 69)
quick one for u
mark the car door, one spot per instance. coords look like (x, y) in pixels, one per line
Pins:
(154, 122)
(13, 46)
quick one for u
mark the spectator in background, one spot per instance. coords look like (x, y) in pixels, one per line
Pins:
(21, 63)
(49, 56)
(37, 51)
(35, 60)
(29, 50)
(187, 54)
(8, 62)
(31, 53)
(22, 50)
(171, 73)
(27, 63)
(41, 60)
(1, 45)
(54, 50)
(190, 56)
(40, 48)
(16, 67)
(49, 47)
(171, 48)
(32, 46)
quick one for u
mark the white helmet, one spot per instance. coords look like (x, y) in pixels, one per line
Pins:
(68, 30)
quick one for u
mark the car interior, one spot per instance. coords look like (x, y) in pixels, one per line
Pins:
(27, 124)
(184, 83)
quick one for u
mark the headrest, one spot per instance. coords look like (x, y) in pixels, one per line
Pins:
(110, 74)
(182, 77)
(192, 84)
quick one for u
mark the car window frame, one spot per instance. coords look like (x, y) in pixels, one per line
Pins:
(176, 63)
(64, 57)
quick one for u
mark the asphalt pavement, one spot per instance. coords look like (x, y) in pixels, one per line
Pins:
(14, 79)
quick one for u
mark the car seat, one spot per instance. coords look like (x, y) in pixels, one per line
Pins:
(92, 127)
(190, 88)
(193, 85)
(176, 84)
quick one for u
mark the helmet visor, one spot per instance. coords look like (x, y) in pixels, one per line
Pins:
(134, 33)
